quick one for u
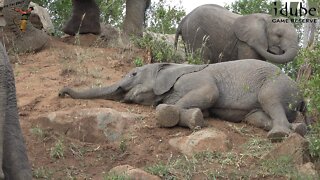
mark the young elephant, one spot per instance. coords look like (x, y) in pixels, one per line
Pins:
(255, 91)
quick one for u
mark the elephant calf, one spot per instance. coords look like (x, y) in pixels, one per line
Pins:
(254, 91)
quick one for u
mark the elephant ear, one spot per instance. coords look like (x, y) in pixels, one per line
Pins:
(168, 74)
(252, 29)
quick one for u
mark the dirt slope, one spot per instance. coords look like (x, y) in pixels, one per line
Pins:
(40, 76)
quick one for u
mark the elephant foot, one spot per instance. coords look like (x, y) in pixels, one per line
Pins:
(299, 128)
(167, 115)
(191, 118)
(277, 134)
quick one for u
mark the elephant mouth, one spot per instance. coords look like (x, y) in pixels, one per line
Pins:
(276, 50)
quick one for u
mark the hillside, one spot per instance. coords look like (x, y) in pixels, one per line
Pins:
(77, 150)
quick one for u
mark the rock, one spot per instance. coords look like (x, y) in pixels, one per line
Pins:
(89, 125)
(308, 169)
(208, 139)
(40, 18)
(294, 146)
(133, 173)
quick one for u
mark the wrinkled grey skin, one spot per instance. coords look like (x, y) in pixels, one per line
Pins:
(221, 35)
(33, 39)
(13, 154)
(233, 91)
(135, 16)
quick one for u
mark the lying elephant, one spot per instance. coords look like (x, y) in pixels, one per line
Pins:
(221, 35)
(13, 156)
(255, 91)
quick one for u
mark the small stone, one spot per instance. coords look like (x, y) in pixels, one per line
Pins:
(208, 139)
(308, 169)
(133, 173)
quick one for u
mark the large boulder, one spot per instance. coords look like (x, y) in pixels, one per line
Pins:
(40, 18)
(295, 146)
(208, 139)
(90, 124)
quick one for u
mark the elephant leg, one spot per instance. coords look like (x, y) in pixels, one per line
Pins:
(202, 98)
(261, 120)
(15, 160)
(193, 102)
(3, 104)
(172, 115)
(84, 19)
(270, 99)
(32, 39)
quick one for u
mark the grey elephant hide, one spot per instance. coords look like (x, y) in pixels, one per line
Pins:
(234, 91)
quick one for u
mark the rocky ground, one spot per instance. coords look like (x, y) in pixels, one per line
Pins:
(85, 139)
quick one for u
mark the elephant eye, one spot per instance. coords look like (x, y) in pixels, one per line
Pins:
(133, 74)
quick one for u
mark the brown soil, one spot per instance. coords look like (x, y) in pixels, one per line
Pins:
(40, 76)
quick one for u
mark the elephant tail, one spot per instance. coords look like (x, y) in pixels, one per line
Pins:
(178, 33)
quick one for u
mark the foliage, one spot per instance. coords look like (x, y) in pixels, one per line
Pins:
(249, 6)
(59, 11)
(112, 11)
(163, 17)
(160, 170)
(138, 62)
(311, 90)
(112, 176)
(279, 167)
(57, 151)
(161, 51)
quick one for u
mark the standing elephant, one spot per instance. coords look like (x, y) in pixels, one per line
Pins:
(135, 16)
(255, 91)
(220, 35)
(85, 18)
(13, 155)
(32, 39)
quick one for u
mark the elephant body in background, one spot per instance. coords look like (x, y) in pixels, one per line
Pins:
(220, 35)
(234, 91)
(32, 39)
(85, 18)
(13, 155)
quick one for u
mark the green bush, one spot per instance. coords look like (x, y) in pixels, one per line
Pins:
(161, 51)
(311, 89)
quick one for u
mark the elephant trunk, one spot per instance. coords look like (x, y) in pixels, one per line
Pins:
(287, 56)
(113, 92)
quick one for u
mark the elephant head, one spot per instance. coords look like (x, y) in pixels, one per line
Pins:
(276, 42)
(145, 85)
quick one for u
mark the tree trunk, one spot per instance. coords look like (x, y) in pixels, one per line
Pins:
(32, 39)
(135, 15)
